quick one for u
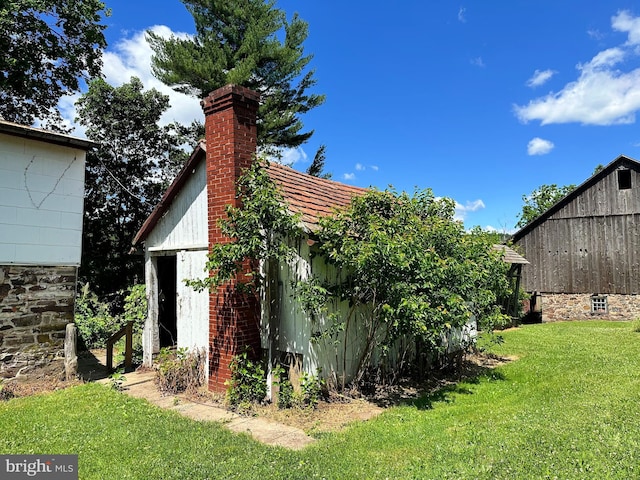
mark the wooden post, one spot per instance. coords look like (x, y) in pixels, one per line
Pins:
(70, 356)
(128, 349)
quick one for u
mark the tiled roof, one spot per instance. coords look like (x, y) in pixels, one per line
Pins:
(311, 197)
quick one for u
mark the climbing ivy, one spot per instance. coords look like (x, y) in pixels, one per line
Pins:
(260, 230)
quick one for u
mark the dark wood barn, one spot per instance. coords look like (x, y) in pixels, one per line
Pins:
(585, 250)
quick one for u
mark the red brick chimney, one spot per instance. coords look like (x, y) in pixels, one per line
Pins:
(231, 136)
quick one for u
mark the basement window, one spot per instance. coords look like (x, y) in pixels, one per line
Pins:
(624, 179)
(599, 304)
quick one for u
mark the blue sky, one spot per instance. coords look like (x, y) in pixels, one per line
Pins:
(479, 101)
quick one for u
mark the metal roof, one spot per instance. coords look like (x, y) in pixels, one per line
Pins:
(33, 133)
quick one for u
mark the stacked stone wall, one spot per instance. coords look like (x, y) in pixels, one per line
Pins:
(36, 304)
(565, 306)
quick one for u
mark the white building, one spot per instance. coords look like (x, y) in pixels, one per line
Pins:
(41, 210)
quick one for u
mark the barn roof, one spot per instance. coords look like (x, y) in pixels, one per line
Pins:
(309, 196)
(621, 161)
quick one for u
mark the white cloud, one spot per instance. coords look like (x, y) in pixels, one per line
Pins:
(603, 94)
(290, 156)
(540, 77)
(624, 22)
(478, 62)
(348, 176)
(132, 57)
(375, 168)
(597, 34)
(461, 17)
(129, 57)
(539, 146)
(470, 206)
(360, 167)
(504, 230)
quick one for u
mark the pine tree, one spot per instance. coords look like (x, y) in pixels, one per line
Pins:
(317, 166)
(238, 42)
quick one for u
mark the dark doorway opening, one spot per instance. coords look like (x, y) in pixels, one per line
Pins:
(167, 323)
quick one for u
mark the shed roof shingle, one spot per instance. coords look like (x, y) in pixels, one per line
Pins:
(311, 197)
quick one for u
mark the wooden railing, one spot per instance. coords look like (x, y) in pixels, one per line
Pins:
(127, 331)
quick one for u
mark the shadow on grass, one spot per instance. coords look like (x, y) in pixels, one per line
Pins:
(442, 386)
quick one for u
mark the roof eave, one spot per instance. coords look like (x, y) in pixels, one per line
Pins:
(32, 133)
(169, 195)
(595, 178)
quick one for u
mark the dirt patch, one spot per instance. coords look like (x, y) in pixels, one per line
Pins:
(326, 417)
(39, 380)
(341, 411)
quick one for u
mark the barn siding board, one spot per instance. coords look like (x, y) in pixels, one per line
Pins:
(589, 241)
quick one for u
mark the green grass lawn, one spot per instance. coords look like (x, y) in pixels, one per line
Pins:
(569, 407)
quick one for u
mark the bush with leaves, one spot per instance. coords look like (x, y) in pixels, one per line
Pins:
(248, 380)
(97, 321)
(305, 394)
(408, 269)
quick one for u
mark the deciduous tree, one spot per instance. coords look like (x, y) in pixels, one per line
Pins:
(47, 47)
(126, 175)
(540, 200)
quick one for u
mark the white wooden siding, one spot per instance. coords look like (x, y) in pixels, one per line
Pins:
(41, 202)
(192, 308)
(184, 225)
(296, 327)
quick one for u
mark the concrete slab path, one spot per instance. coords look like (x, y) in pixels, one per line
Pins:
(141, 385)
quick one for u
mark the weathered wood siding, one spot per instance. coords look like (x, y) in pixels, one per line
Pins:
(590, 245)
(182, 231)
(332, 356)
(41, 202)
(184, 225)
(192, 307)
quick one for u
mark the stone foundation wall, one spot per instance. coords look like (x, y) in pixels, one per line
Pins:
(569, 306)
(36, 304)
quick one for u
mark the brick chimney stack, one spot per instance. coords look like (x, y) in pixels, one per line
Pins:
(231, 139)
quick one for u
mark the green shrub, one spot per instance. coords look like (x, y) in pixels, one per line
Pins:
(306, 393)
(93, 319)
(97, 321)
(180, 370)
(135, 307)
(312, 387)
(248, 382)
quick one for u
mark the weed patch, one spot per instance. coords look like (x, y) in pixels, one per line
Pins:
(180, 370)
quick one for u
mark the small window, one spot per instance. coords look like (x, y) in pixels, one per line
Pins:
(624, 179)
(599, 304)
